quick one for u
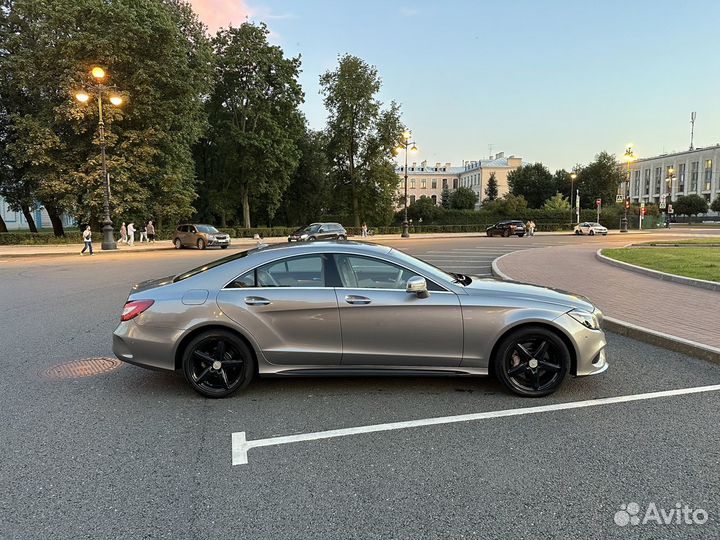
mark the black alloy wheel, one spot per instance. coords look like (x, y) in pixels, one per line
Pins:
(217, 363)
(532, 361)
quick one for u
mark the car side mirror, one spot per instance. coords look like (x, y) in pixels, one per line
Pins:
(417, 285)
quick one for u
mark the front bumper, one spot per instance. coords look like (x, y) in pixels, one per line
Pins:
(146, 346)
(590, 345)
(219, 242)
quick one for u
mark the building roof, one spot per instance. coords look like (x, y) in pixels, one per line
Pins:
(470, 166)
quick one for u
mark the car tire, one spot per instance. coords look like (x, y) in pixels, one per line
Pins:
(203, 352)
(178, 243)
(521, 235)
(223, 247)
(578, 232)
(489, 234)
(342, 237)
(517, 366)
(311, 239)
(506, 233)
(201, 244)
(591, 233)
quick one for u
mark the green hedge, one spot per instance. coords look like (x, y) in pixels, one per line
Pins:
(23, 237)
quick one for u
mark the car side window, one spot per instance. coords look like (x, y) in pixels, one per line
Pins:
(307, 271)
(369, 273)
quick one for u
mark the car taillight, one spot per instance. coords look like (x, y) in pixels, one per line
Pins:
(135, 308)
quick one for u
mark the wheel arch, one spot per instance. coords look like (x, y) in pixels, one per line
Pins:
(189, 336)
(557, 330)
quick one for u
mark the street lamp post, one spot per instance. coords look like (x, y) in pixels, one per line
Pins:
(99, 90)
(573, 176)
(629, 158)
(406, 144)
(668, 197)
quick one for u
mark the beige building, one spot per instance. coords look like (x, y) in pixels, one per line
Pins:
(429, 181)
(693, 172)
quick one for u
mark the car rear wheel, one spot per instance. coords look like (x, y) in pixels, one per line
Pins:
(217, 363)
(532, 361)
(178, 243)
(201, 243)
(592, 233)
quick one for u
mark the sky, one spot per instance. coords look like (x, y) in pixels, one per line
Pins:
(553, 81)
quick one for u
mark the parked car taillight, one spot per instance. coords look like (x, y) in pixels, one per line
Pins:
(134, 308)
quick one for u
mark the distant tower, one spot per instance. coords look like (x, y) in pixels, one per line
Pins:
(692, 129)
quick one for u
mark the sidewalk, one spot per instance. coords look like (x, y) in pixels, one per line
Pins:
(662, 307)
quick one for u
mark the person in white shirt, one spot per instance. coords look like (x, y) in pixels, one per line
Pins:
(131, 234)
(87, 238)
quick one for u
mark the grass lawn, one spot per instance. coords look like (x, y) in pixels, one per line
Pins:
(712, 240)
(694, 262)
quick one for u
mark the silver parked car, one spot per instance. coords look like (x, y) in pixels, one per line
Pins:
(350, 308)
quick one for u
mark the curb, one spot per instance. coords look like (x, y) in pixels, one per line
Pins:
(692, 282)
(640, 333)
(77, 252)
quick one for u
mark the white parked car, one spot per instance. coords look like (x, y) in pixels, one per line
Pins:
(591, 228)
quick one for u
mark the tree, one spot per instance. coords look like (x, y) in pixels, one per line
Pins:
(600, 179)
(562, 182)
(250, 152)
(156, 52)
(690, 205)
(557, 202)
(445, 198)
(491, 190)
(424, 208)
(715, 206)
(463, 198)
(360, 139)
(534, 182)
(509, 205)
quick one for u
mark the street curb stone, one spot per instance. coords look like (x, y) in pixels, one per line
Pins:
(692, 282)
(640, 333)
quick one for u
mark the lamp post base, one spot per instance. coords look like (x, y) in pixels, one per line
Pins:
(624, 225)
(108, 241)
(405, 230)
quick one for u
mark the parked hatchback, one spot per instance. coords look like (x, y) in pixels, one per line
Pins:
(507, 228)
(199, 236)
(319, 231)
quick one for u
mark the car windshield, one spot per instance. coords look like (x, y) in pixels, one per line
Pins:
(432, 271)
(213, 264)
(209, 229)
(595, 225)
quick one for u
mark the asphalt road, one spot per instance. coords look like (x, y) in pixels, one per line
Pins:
(136, 454)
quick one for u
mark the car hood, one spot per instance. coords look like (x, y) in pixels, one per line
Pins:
(524, 291)
(151, 284)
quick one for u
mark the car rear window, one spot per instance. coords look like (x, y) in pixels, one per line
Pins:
(210, 265)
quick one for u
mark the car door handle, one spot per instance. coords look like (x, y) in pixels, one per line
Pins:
(256, 301)
(354, 299)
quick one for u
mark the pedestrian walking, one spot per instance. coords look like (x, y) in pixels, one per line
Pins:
(530, 227)
(151, 231)
(143, 233)
(364, 230)
(131, 234)
(123, 233)
(87, 238)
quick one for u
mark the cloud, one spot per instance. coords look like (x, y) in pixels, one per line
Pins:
(219, 13)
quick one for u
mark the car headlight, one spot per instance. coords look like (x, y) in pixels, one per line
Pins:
(303, 236)
(586, 319)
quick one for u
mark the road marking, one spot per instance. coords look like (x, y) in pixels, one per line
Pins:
(241, 446)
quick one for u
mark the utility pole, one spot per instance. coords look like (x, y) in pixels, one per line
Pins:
(692, 129)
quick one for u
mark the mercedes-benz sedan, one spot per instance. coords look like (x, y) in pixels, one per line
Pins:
(343, 308)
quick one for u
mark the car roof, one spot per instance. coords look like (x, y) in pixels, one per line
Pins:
(322, 245)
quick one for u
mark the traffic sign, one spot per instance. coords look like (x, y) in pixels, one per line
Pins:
(598, 202)
(670, 209)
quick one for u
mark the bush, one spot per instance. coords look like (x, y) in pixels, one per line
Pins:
(22, 237)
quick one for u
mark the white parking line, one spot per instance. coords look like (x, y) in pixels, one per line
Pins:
(240, 445)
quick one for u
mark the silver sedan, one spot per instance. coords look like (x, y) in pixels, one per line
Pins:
(330, 308)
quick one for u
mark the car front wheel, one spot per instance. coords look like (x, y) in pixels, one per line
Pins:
(532, 361)
(217, 363)
(342, 237)
(592, 233)
(201, 243)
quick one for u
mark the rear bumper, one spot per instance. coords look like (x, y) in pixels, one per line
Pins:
(146, 346)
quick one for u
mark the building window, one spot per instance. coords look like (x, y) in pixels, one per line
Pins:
(658, 176)
(412, 183)
(694, 169)
(434, 184)
(434, 199)
(636, 187)
(455, 183)
(708, 174)
(681, 178)
(423, 184)
(412, 199)
(646, 188)
(445, 184)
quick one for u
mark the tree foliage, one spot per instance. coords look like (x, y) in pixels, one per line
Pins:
(463, 198)
(491, 190)
(715, 206)
(445, 198)
(557, 202)
(690, 205)
(507, 205)
(424, 209)
(600, 179)
(361, 138)
(156, 53)
(533, 182)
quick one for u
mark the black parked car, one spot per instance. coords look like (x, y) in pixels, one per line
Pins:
(319, 231)
(507, 228)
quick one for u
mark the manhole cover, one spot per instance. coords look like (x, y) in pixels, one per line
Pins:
(87, 367)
